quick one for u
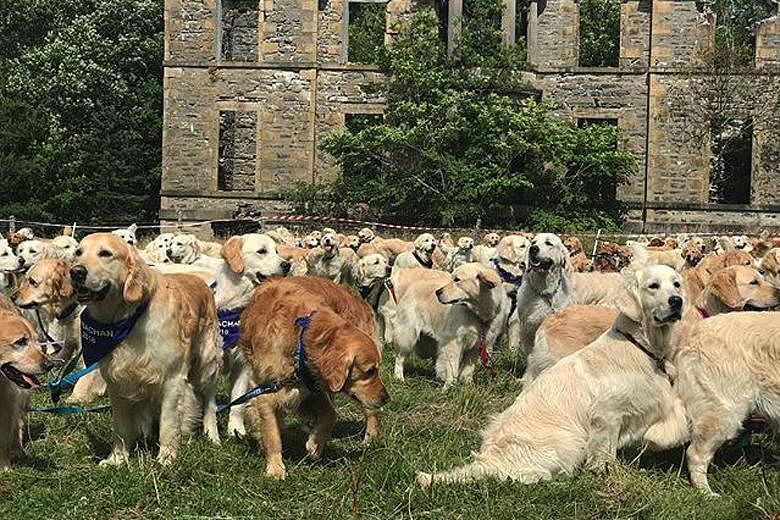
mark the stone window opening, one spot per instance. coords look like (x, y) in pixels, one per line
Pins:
(608, 192)
(521, 21)
(237, 160)
(365, 24)
(237, 30)
(731, 144)
(599, 33)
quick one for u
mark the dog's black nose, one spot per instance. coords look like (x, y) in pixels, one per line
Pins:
(78, 275)
(388, 270)
(675, 302)
(285, 265)
(534, 249)
(439, 292)
(20, 261)
(169, 251)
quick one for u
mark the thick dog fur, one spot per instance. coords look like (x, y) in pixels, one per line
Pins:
(603, 398)
(164, 373)
(343, 358)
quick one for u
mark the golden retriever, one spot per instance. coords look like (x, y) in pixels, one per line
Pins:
(421, 256)
(164, 373)
(610, 395)
(726, 369)
(20, 362)
(342, 358)
(331, 261)
(47, 290)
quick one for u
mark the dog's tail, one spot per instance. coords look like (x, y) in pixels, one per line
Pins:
(463, 474)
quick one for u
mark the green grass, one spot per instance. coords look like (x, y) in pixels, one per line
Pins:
(423, 428)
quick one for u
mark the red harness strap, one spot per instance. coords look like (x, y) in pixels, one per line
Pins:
(484, 355)
(703, 313)
(391, 289)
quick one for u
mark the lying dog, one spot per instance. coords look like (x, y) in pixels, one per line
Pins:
(575, 413)
(20, 362)
(333, 356)
(165, 369)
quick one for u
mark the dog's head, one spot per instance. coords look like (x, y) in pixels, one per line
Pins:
(30, 251)
(9, 262)
(573, 244)
(66, 246)
(350, 364)
(161, 243)
(104, 266)
(352, 242)
(371, 268)
(465, 244)
(692, 254)
(183, 249)
(127, 234)
(491, 239)
(254, 255)
(743, 288)
(425, 244)
(329, 243)
(470, 286)
(21, 359)
(769, 265)
(652, 295)
(47, 284)
(546, 252)
(311, 241)
(741, 243)
(366, 235)
(512, 254)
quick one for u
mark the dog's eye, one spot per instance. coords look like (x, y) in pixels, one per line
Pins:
(33, 251)
(33, 283)
(21, 342)
(104, 253)
(654, 286)
(754, 282)
(5, 253)
(376, 262)
(548, 243)
(262, 251)
(677, 285)
(371, 372)
(456, 279)
(78, 252)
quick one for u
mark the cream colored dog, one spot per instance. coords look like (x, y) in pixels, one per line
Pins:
(331, 261)
(445, 317)
(610, 395)
(165, 371)
(186, 249)
(421, 256)
(727, 369)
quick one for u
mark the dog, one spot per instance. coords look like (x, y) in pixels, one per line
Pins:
(485, 250)
(9, 264)
(611, 395)
(186, 249)
(732, 289)
(127, 234)
(420, 257)
(340, 358)
(164, 372)
(769, 266)
(546, 286)
(462, 255)
(65, 245)
(249, 260)
(446, 317)
(21, 361)
(726, 369)
(296, 257)
(156, 251)
(332, 262)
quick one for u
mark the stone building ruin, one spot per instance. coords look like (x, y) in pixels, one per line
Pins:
(252, 86)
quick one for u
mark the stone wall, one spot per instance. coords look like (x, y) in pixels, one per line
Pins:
(279, 66)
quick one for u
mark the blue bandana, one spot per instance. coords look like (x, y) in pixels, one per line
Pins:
(99, 339)
(229, 323)
(505, 275)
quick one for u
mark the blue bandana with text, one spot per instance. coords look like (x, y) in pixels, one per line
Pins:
(99, 339)
(229, 323)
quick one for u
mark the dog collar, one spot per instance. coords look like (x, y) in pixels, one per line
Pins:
(67, 312)
(659, 362)
(427, 264)
(703, 312)
(505, 275)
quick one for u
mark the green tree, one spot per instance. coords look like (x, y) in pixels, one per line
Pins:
(81, 109)
(599, 33)
(464, 139)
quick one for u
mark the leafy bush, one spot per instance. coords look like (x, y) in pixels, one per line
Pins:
(463, 139)
(599, 33)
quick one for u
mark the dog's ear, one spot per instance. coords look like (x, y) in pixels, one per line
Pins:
(62, 284)
(132, 227)
(335, 365)
(489, 278)
(136, 283)
(724, 286)
(627, 300)
(231, 252)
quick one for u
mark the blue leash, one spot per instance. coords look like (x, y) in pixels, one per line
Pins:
(69, 410)
(301, 371)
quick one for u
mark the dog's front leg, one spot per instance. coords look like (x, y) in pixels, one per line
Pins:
(239, 384)
(172, 418)
(468, 364)
(372, 424)
(603, 438)
(448, 362)
(126, 431)
(266, 421)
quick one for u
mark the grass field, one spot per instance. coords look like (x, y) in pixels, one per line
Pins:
(423, 428)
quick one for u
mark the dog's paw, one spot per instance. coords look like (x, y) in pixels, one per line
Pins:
(314, 448)
(166, 456)
(115, 459)
(236, 429)
(276, 471)
(423, 479)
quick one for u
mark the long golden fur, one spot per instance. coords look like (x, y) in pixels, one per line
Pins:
(343, 357)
